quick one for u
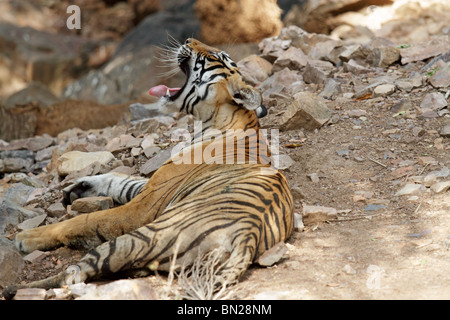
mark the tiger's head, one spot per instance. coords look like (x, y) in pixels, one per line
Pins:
(214, 89)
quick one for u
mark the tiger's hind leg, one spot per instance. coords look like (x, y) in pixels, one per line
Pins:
(182, 232)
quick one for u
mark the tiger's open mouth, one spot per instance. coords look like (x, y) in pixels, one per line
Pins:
(172, 93)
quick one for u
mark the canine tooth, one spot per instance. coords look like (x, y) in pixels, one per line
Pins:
(168, 92)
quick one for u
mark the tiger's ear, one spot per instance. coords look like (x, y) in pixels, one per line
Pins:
(247, 97)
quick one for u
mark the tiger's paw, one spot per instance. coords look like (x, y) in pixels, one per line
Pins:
(36, 239)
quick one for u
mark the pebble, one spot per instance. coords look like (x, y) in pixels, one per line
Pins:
(314, 177)
(374, 207)
(410, 189)
(32, 223)
(348, 269)
(314, 214)
(445, 131)
(56, 210)
(91, 204)
(433, 101)
(384, 90)
(30, 294)
(440, 187)
(273, 255)
(130, 289)
(73, 161)
(298, 222)
(35, 256)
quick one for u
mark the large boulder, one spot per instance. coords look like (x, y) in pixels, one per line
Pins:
(225, 21)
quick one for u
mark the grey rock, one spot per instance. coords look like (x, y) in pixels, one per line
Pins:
(374, 207)
(273, 255)
(410, 189)
(433, 101)
(91, 204)
(440, 187)
(254, 69)
(56, 210)
(354, 67)
(445, 131)
(293, 59)
(130, 289)
(298, 222)
(32, 222)
(156, 162)
(331, 90)
(35, 256)
(441, 78)
(314, 214)
(384, 90)
(317, 71)
(12, 214)
(307, 111)
(435, 46)
(11, 263)
(30, 294)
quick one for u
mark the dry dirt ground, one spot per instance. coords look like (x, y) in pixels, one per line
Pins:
(400, 251)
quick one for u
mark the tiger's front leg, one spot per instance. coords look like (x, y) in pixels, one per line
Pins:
(90, 230)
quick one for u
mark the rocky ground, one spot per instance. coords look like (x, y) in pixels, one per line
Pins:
(364, 128)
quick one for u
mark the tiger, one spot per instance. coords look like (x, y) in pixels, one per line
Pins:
(185, 208)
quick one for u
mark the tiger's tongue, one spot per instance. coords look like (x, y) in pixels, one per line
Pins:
(162, 90)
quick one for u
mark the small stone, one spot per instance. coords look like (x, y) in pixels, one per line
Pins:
(35, 256)
(151, 151)
(426, 161)
(284, 162)
(307, 111)
(434, 101)
(91, 204)
(354, 67)
(344, 153)
(156, 162)
(314, 214)
(429, 179)
(331, 90)
(356, 113)
(129, 289)
(30, 294)
(440, 187)
(56, 210)
(441, 78)
(348, 269)
(445, 131)
(136, 151)
(293, 58)
(80, 289)
(73, 161)
(298, 222)
(410, 189)
(273, 255)
(32, 223)
(11, 263)
(314, 177)
(254, 69)
(384, 90)
(317, 71)
(374, 207)
(58, 294)
(297, 193)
